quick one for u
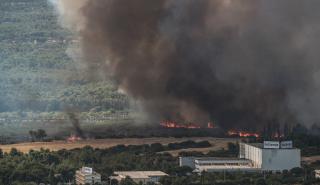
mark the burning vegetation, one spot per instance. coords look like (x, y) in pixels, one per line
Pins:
(229, 61)
(73, 138)
(79, 134)
(235, 133)
(172, 124)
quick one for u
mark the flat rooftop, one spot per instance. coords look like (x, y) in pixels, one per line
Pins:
(140, 174)
(258, 145)
(219, 159)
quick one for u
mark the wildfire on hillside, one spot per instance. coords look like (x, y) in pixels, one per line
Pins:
(210, 125)
(242, 133)
(73, 138)
(278, 135)
(172, 124)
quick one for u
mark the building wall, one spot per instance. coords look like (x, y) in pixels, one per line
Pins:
(271, 159)
(254, 154)
(280, 159)
(242, 150)
(154, 179)
(142, 180)
(82, 179)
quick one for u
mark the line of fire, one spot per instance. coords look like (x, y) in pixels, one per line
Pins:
(272, 131)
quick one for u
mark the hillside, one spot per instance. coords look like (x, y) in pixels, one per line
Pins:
(36, 74)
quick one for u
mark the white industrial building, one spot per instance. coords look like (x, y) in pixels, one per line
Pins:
(86, 176)
(143, 177)
(267, 156)
(317, 174)
(222, 164)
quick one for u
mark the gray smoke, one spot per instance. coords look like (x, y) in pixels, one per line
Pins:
(76, 124)
(240, 63)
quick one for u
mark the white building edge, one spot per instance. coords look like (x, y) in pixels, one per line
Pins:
(317, 174)
(267, 156)
(86, 175)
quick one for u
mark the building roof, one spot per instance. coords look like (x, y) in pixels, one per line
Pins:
(140, 174)
(217, 158)
(257, 145)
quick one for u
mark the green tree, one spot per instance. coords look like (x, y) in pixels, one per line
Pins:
(38, 135)
(127, 181)
(32, 135)
(260, 181)
(14, 152)
(1, 154)
(41, 134)
(114, 182)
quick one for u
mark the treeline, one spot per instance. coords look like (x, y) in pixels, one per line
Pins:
(188, 144)
(28, 20)
(52, 168)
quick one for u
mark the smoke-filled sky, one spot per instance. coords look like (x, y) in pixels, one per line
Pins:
(235, 62)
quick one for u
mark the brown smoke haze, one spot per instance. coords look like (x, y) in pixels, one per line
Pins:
(240, 63)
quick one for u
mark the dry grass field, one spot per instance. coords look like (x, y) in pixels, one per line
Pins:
(217, 143)
(311, 159)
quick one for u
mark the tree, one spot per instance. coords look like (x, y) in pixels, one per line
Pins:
(181, 171)
(297, 171)
(32, 135)
(166, 180)
(260, 181)
(87, 155)
(23, 183)
(156, 147)
(151, 183)
(41, 134)
(127, 181)
(38, 135)
(114, 182)
(1, 153)
(233, 148)
(15, 152)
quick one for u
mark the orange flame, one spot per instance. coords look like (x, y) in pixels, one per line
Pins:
(73, 138)
(242, 133)
(172, 124)
(210, 125)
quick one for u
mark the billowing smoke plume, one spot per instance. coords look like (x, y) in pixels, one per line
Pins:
(236, 62)
(76, 124)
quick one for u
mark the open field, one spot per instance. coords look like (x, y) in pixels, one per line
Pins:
(311, 159)
(217, 143)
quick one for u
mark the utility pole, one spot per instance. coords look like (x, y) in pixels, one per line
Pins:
(305, 173)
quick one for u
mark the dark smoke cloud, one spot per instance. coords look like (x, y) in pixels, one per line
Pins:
(237, 62)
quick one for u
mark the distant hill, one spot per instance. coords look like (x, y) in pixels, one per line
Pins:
(36, 74)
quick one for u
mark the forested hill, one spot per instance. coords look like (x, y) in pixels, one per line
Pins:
(36, 74)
